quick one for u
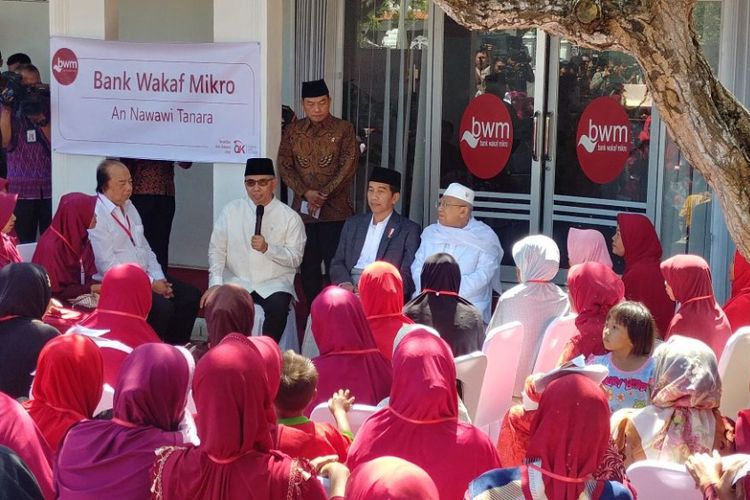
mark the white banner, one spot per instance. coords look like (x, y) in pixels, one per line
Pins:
(179, 102)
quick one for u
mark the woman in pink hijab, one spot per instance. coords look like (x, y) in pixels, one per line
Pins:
(235, 459)
(112, 459)
(382, 292)
(123, 307)
(64, 249)
(349, 357)
(593, 288)
(737, 307)
(8, 252)
(587, 245)
(688, 280)
(421, 425)
(390, 478)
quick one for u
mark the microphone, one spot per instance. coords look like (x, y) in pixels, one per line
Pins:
(258, 218)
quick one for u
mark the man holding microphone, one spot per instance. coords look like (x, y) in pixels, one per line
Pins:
(257, 243)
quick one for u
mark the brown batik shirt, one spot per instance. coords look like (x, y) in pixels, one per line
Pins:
(323, 157)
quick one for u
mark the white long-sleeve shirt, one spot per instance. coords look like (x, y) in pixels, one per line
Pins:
(231, 259)
(477, 250)
(113, 245)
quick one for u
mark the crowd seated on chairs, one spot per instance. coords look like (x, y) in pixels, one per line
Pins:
(584, 395)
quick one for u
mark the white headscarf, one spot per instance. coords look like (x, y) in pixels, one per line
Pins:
(535, 302)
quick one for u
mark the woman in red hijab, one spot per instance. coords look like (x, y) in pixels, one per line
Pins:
(390, 478)
(688, 280)
(737, 307)
(382, 293)
(235, 459)
(112, 459)
(593, 288)
(123, 307)
(349, 357)
(272, 363)
(8, 252)
(636, 241)
(421, 423)
(64, 249)
(229, 309)
(19, 433)
(567, 450)
(67, 386)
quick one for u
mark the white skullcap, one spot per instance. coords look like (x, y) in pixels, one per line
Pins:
(461, 192)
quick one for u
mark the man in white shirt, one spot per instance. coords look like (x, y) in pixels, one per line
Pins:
(473, 244)
(264, 264)
(383, 235)
(118, 238)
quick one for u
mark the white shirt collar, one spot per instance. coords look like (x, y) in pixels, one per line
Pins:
(384, 221)
(109, 205)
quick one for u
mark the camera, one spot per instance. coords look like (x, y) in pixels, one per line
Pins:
(25, 100)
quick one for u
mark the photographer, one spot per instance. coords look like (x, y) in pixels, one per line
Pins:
(25, 132)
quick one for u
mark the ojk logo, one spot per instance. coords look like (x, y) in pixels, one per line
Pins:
(603, 140)
(64, 66)
(486, 136)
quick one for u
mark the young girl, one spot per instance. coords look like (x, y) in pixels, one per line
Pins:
(629, 339)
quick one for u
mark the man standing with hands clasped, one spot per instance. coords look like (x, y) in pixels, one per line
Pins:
(257, 243)
(317, 160)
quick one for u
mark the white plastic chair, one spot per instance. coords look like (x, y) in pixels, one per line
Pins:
(288, 338)
(735, 373)
(357, 415)
(501, 348)
(309, 346)
(470, 370)
(26, 251)
(558, 333)
(656, 480)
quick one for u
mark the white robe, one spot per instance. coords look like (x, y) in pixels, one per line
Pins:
(535, 302)
(477, 250)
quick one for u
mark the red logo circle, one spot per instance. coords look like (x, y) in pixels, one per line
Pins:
(603, 140)
(486, 136)
(64, 66)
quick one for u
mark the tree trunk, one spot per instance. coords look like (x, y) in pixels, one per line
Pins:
(711, 128)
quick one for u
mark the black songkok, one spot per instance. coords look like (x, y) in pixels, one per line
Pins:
(259, 166)
(314, 88)
(387, 176)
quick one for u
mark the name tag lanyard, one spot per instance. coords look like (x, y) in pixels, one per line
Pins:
(127, 230)
(80, 258)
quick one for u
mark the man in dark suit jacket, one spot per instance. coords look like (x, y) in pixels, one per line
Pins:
(383, 235)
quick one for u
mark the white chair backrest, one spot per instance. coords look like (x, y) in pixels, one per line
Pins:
(470, 369)
(107, 400)
(555, 337)
(289, 338)
(735, 373)
(26, 251)
(357, 415)
(655, 480)
(309, 347)
(501, 347)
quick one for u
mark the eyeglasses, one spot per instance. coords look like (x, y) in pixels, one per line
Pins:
(444, 205)
(261, 182)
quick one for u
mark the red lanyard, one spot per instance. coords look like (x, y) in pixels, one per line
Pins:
(439, 292)
(80, 260)
(126, 229)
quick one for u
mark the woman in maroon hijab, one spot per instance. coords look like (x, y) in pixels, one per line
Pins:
(229, 309)
(688, 280)
(737, 308)
(112, 459)
(8, 252)
(636, 241)
(421, 425)
(123, 307)
(349, 357)
(235, 459)
(64, 249)
(593, 288)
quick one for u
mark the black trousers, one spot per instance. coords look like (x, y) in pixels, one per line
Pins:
(276, 310)
(157, 214)
(173, 319)
(32, 216)
(322, 240)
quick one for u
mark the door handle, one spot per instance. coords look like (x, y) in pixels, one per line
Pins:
(534, 141)
(547, 120)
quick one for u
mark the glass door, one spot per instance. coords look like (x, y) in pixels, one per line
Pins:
(491, 88)
(597, 143)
